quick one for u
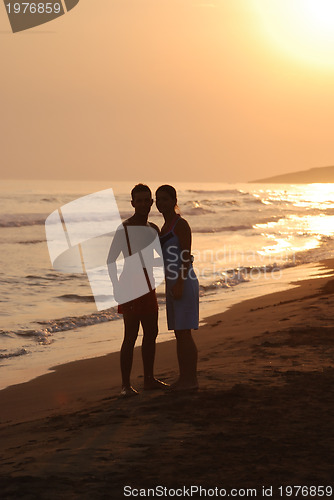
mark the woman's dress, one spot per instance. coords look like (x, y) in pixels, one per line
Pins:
(183, 313)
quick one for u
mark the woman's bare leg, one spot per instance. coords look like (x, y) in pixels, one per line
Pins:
(187, 359)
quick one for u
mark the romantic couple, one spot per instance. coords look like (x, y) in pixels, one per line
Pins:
(182, 290)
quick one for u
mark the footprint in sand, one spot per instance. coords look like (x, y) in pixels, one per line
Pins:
(216, 323)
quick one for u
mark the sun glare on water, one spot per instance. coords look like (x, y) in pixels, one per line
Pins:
(303, 29)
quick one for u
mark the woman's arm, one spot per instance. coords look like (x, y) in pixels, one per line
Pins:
(183, 232)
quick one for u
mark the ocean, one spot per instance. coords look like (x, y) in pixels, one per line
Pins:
(245, 237)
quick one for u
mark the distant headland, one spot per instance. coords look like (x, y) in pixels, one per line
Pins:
(318, 174)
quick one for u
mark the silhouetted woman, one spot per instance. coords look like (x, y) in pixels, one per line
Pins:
(182, 290)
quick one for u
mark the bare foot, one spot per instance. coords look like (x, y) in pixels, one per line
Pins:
(128, 392)
(155, 384)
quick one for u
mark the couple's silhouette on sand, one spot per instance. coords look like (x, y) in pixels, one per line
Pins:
(182, 290)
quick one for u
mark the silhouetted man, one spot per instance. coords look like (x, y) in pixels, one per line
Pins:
(129, 240)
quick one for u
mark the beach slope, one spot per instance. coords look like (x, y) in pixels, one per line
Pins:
(263, 415)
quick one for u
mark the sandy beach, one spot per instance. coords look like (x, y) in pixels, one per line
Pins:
(263, 416)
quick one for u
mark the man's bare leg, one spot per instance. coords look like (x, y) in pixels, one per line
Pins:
(150, 331)
(131, 328)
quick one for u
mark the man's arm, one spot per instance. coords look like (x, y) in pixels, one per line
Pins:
(157, 261)
(155, 227)
(116, 248)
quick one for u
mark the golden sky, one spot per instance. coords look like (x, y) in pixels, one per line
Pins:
(198, 90)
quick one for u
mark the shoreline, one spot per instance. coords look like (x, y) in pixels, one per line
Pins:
(103, 372)
(266, 375)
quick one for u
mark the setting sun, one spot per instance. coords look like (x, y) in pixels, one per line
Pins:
(303, 29)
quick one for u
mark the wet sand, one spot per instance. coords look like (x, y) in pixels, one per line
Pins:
(263, 415)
